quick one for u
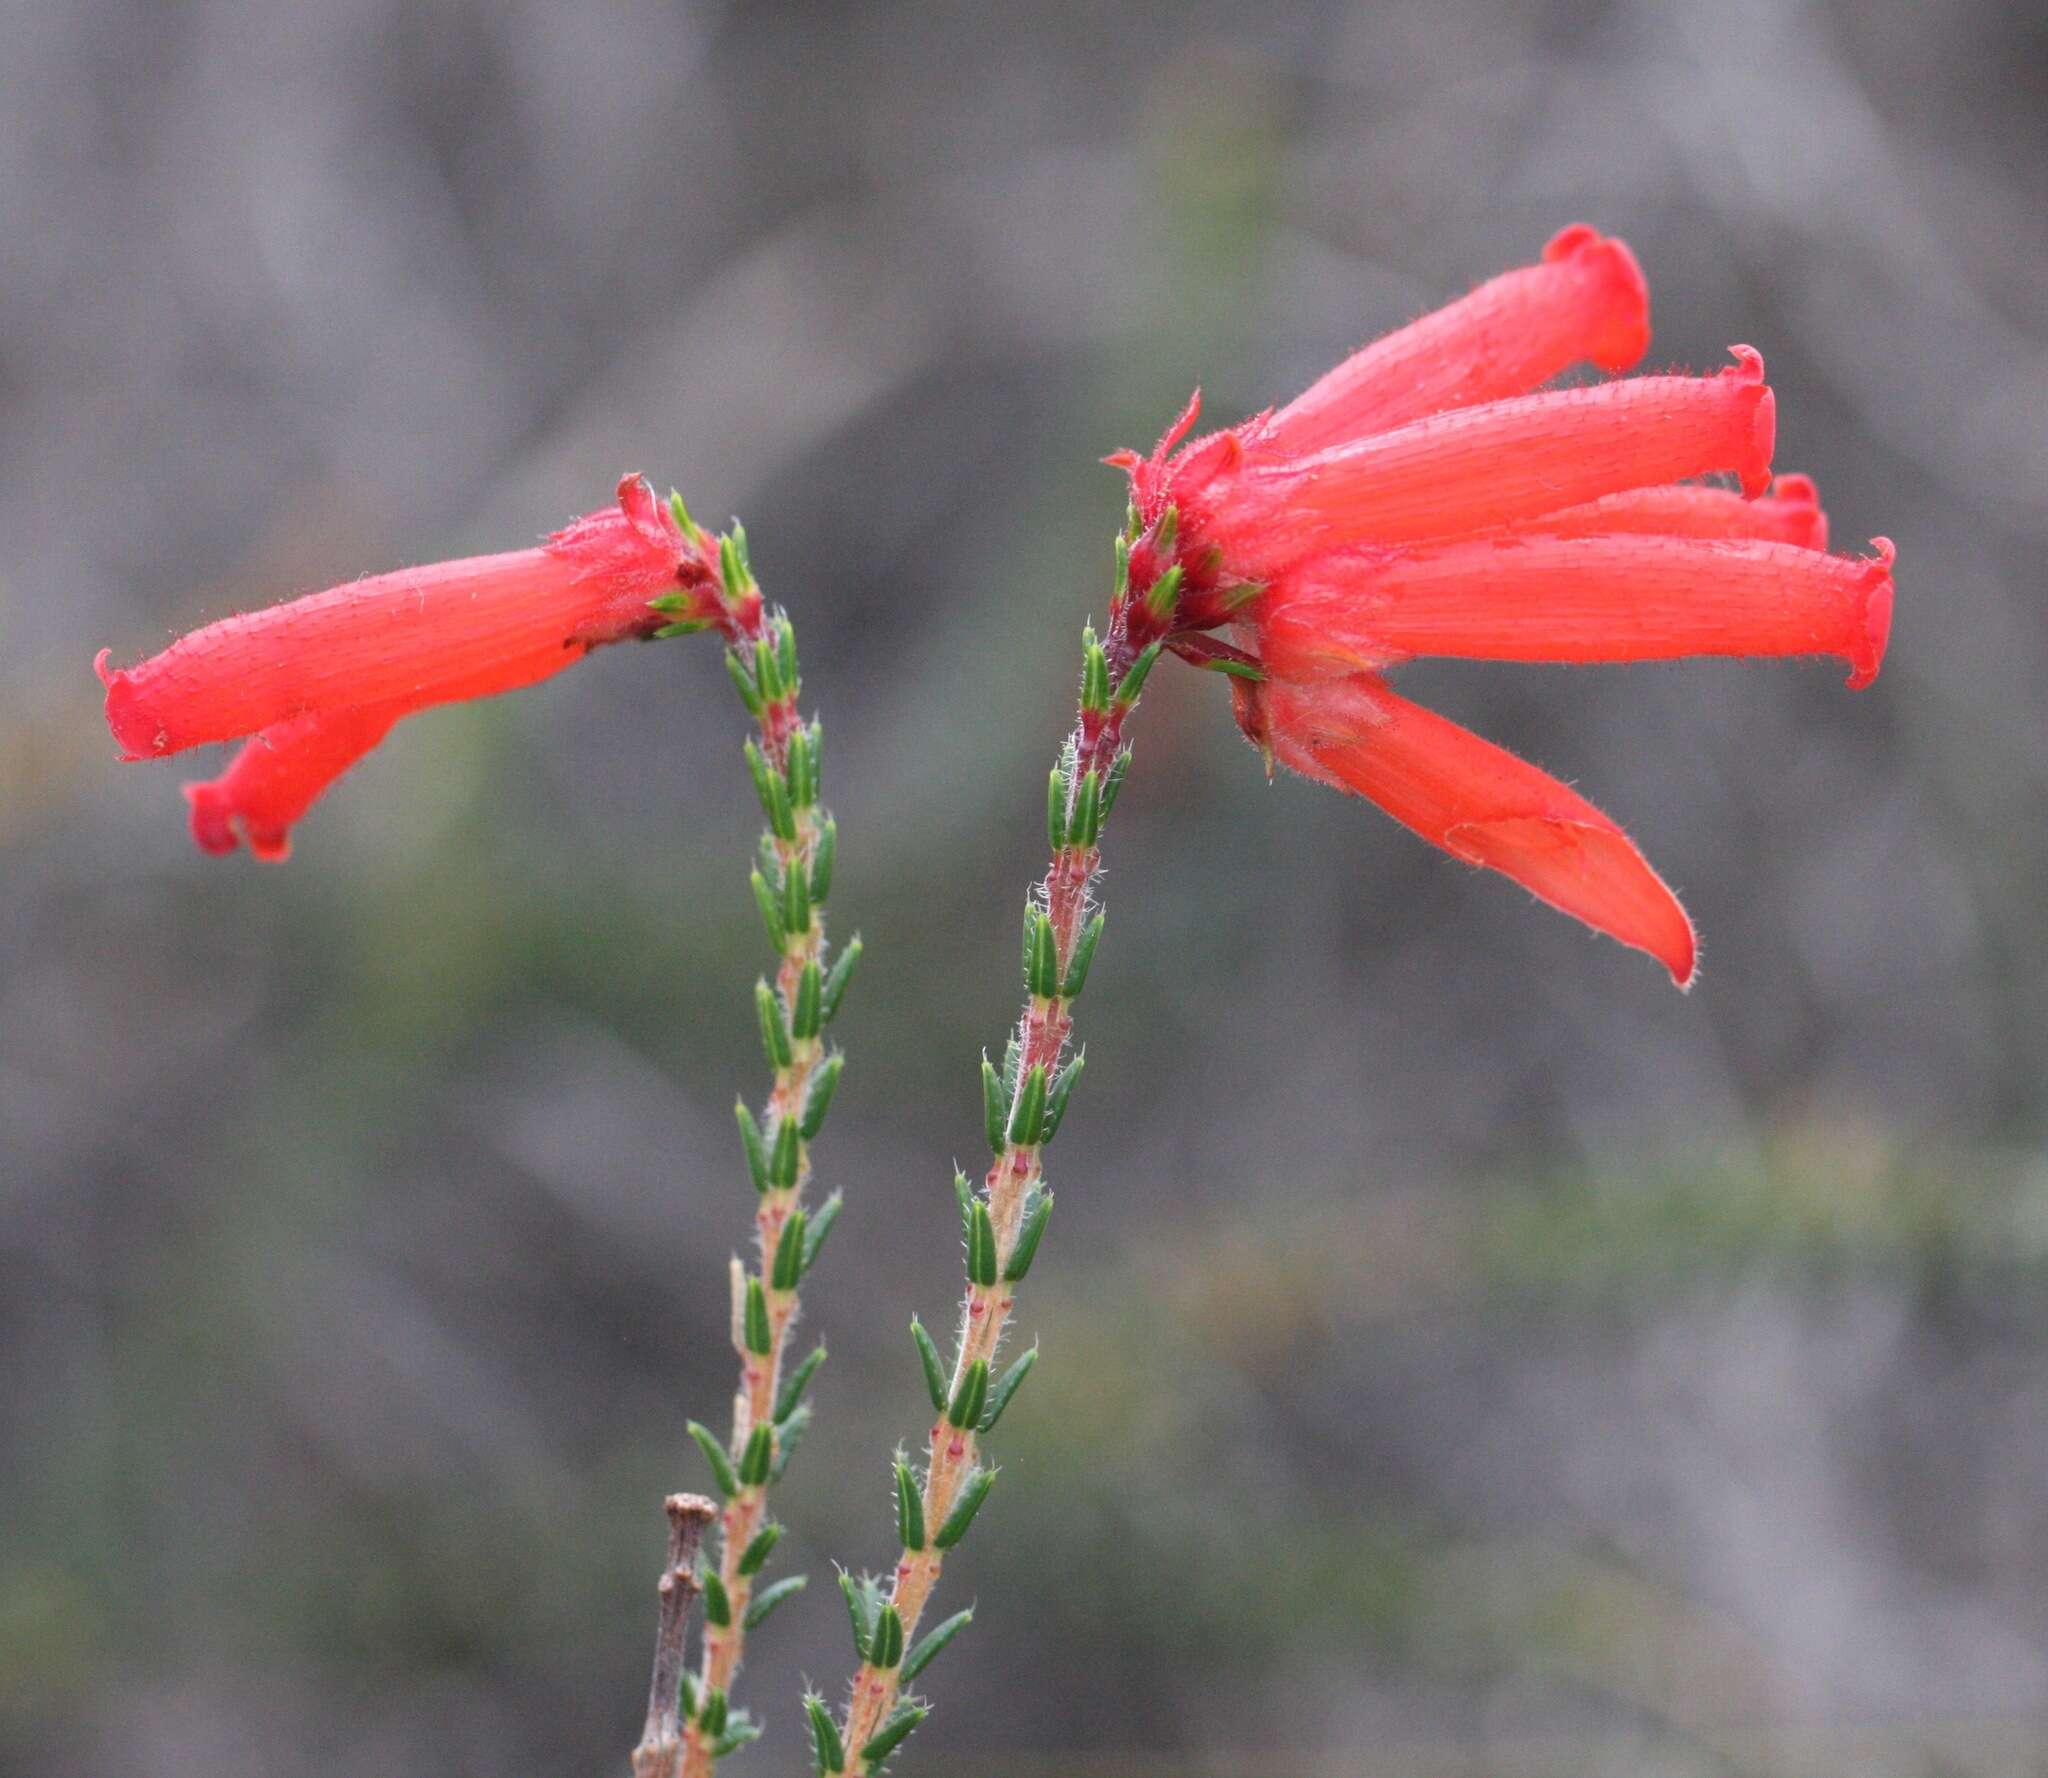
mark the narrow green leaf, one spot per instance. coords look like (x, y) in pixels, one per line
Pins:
(797, 768)
(691, 626)
(755, 1556)
(772, 792)
(758, 1458)
(934, 1371)
(1042, 963)
(760, 1342)
(715, 1455)
(821, 861)
(788, 1267)
(826, 1747)
(785, 1160)
(798, 1380)
(970, 1396)
(992, 1108)
(860, 1613)
(963, 1195)
(796, 899)
(1056, 809)
(807, 1017)
(717, 1602)
(681, 514)
(1062, 1091)
(885, 1649)
(903, 1720)
(909, 1508)
(771, 912)
(842, 973)
(928, 1647)
(1006, 1386)
(1094, 674)
(1027, 1115)
(738, 1733)
(774, 1032)
(1164, 594)
(1133, 681)
(789, 1433)
(785, 639)
(821, 1226)
(766, 1600)
(732, 568)
(1119, 769)
(1029, 1233)
(981, 1246)
(964, 1509)
(1084, 956)
(743, 682)
(818, 1100)
(756, 1150)
(711, 1718)
(1084, 819)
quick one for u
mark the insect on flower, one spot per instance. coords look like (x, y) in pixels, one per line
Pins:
(1419, 500)
(315, 683)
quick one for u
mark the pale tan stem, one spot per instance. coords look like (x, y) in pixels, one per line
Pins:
(660, 1752)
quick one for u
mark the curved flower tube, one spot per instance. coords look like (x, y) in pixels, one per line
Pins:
(1425, 498)
(317, 682)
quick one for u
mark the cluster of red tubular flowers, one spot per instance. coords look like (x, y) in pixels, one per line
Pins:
(1419, 500)
(317, 682)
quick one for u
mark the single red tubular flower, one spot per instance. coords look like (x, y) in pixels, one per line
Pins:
(1421, 500)
(315, 683)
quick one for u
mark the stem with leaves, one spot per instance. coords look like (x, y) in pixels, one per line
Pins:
(791, 881)
(1003, 1222)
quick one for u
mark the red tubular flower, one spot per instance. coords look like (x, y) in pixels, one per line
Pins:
(319, 681)
(1420, 500)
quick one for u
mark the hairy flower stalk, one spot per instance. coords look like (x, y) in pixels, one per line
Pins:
(1003, 1222)
(791, 882)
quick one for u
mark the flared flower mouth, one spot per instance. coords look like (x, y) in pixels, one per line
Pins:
(1427, 498)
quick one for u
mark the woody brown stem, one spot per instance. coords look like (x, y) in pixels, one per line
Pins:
(660, 1752)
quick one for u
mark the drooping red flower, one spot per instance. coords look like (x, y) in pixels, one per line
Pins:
(317, 682)
(1420, 500)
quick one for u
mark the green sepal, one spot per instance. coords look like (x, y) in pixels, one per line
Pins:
(760, 1341)
(691, 626)
(929, 1646)
(738, 1733)
(934, 1371)
(841, 974)
(712, 1715)
(768, 1598)
(1029, 1233)
(743, 681)
(970, 1397)
(1027, 1115)
(822, 858)
(1062, 1090)
(788, 1266)
(1119, 769)
(821, 1226)
(903, 1721)
(773, 793)
(755, 1556)
(1041, 956)
(771, 911)
(818, 1099)
(1235, 669)
(756, 1149)
(785, 637)
(686, 1695)
(909, 1508)
(963, 1195)
(732, 567)
(717, 1602)
(860, 1612)
(681, 514)
(766, 673)
(1133, 682)
(1164, 594)
(1056, 809)
(981, 1246)
(993, 1111)
(1123, 561)
(1006, 1386)
(964, 1509)
(774, 1031)
(885, 1648)
(827, 1751)
(1083, 956)
(1084, 818)
(1167, 538)
(715, 1455)
(786, 1159)
(798, 1380)
(1094, 674)
(796, 898)
(789, 1433)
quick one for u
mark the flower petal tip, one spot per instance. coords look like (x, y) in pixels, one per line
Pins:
(139, 734)
(1754, 465)
(1799, 497)
(218, 828)
(1867, 655)
(1626, 337)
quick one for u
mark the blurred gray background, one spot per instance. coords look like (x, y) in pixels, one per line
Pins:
(1463, 1355)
